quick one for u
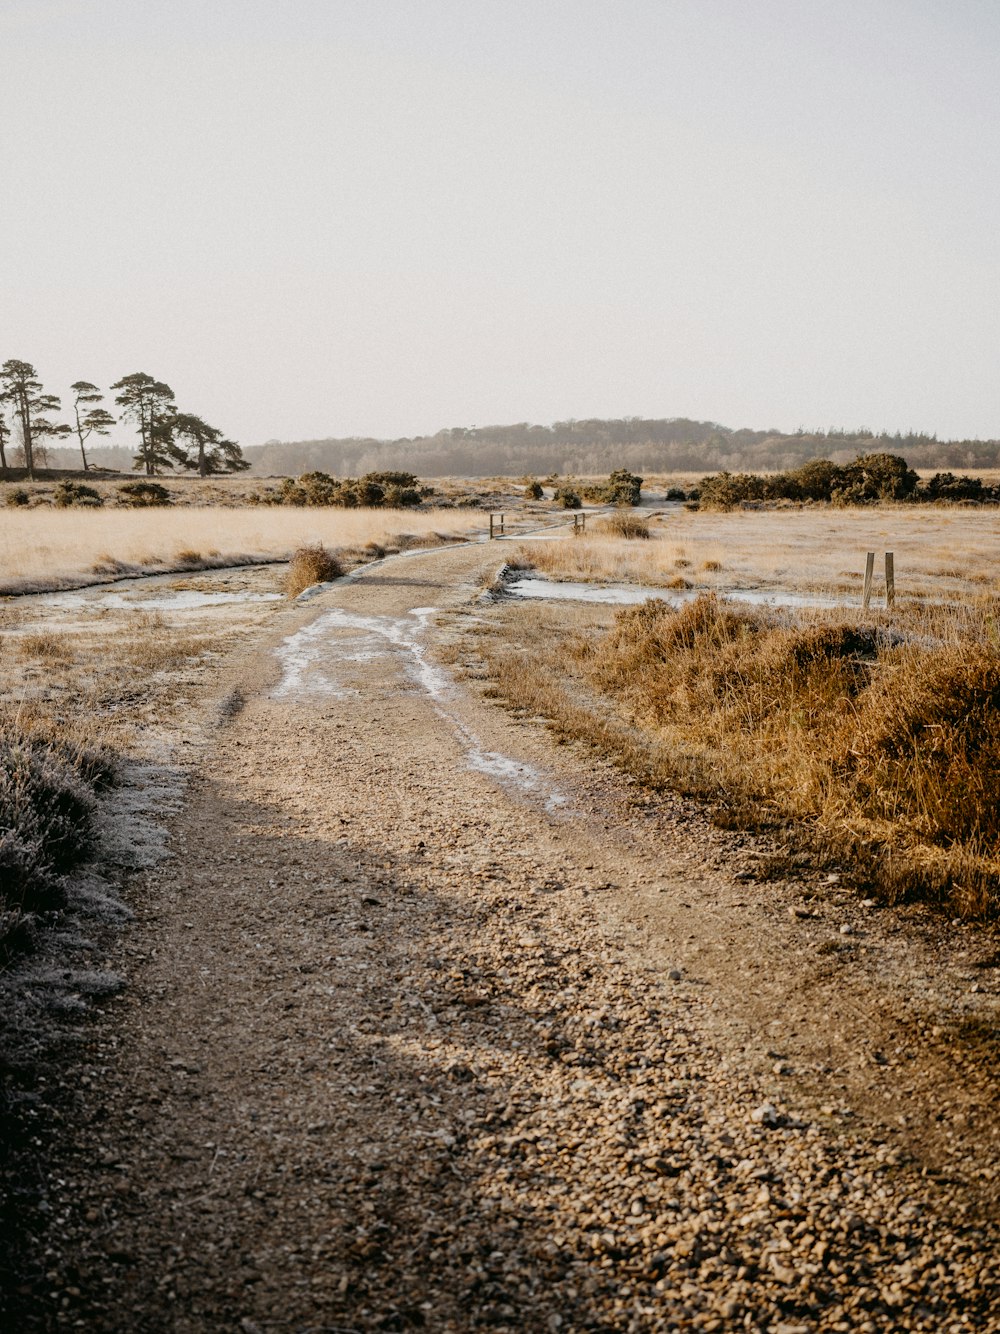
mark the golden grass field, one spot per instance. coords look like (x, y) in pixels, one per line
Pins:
(39, 544)
(939, 552)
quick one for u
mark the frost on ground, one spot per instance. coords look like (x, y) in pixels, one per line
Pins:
(403, 1048)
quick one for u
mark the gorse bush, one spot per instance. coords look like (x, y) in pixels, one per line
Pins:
(621, 488)
(17, 497)
(75, 493)
(869, 479)
(140, 494)
(311, 565)
(377, 490)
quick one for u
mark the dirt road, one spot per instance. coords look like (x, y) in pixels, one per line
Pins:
(431, 1024)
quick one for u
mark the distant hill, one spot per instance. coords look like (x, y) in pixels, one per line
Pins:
(645, 445)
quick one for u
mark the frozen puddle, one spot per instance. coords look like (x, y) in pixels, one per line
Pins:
(313, 658)
(623, 595)
(312, 654)
(180, 599)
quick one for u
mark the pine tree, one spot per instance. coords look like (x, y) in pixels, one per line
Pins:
(89, 420)
(22, 389)
(211, 453)
(150, 404)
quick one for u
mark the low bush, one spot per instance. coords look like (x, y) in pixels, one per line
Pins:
(869, 479)
(376, 490)
(947, 487)
(311, 565)
(533, 491)
(140, 494)
(621, 488)
(47, 828)
(17, 497)
(567, 498)
(75, 493)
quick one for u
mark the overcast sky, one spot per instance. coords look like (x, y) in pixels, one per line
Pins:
(382, 217)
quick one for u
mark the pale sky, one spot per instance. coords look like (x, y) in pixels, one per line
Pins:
(383, 217)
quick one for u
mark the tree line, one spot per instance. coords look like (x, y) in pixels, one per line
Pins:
(641, 444)
(168, 438)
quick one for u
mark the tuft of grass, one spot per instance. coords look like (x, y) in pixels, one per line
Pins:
(630, 527)
(311, 565)
(187, 556)
(45, 646)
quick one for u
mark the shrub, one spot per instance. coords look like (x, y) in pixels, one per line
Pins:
(533, 491)
(400, 480)
(568, 499)
(621, 488)
(75, 493)
(47, 829)
(17, 497)
(946, 486)
(402, 497)
(873, 477)
(869, 479)
(143, 494)
(311, 565)
(726, 490)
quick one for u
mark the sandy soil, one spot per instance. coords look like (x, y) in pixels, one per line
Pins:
(432, 1024)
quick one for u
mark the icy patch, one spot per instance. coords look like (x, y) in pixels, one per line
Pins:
(181, 599)
(622, 595)
(617, 594)
(308, 653)
(309, 658)
(511, 773)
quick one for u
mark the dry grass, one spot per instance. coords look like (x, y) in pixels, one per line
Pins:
(311, 565)
(44, 545)
(875, 745)
(624, 525)
(938, 552)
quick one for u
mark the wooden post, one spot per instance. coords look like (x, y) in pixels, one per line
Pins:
(890, 579)
(869, 571)
(491, 527)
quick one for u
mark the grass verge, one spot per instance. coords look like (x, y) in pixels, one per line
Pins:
(878, 747)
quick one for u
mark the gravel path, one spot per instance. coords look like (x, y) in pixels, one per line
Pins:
(400, 1050)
